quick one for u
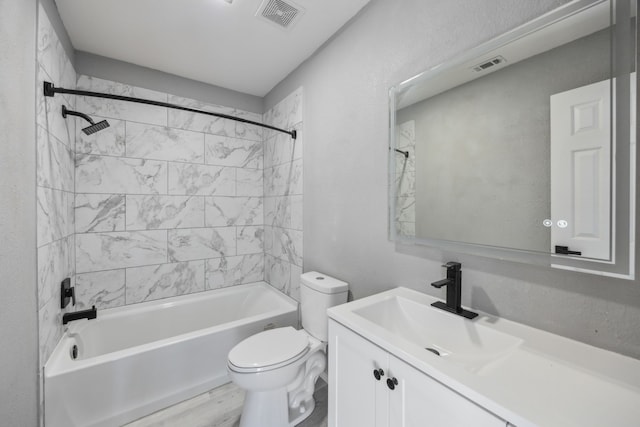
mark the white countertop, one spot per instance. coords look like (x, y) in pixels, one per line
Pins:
(547, 380)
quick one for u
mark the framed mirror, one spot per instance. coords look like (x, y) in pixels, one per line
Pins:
(523, 148)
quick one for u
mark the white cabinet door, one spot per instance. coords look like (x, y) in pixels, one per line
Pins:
(420, 401)
(356, 398)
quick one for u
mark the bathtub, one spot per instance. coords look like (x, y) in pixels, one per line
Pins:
(134, 360)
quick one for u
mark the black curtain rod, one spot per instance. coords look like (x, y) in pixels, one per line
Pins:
(51, 90)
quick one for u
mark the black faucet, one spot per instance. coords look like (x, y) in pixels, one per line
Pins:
(92, 313)
(453, 282)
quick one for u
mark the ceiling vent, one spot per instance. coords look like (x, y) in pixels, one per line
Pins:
(498, 60)
(284, 14)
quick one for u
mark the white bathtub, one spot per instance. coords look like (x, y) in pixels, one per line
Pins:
(137, 359)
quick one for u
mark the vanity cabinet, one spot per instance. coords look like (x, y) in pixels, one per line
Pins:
(370, 387)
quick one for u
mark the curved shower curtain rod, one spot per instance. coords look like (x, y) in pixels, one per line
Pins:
(51, 90)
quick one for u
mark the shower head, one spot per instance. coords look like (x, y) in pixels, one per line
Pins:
(96, 127)
(89, 130)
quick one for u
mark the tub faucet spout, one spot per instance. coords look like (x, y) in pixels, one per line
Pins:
(92, 313)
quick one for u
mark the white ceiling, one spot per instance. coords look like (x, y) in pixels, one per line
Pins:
(206, 40)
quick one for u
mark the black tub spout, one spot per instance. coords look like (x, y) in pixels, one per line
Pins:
(92, 313)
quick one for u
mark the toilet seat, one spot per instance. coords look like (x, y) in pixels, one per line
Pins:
(269, 350)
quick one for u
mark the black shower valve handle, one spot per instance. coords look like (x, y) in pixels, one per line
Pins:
(67, 292)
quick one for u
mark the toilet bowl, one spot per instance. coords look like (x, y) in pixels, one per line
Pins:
(278, 368)
(272, 367)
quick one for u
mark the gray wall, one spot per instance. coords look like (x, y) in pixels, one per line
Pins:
(483, 148)
(18, 316)
(135, 75)
(345, 182)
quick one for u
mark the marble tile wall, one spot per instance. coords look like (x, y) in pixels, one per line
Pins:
(283, 193)
(55, 184)
(405, 180)
(167, 202)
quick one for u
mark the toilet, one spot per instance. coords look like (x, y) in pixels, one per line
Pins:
(278, 368)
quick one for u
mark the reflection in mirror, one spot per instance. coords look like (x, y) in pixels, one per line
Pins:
(510, 145)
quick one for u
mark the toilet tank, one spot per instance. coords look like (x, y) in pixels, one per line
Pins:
(318, 292)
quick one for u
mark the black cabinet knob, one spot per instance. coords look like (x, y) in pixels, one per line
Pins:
(392, 383)
(378, 373)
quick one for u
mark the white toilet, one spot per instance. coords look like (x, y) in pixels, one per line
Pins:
(278, 368)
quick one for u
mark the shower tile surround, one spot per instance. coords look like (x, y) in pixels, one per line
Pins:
(283, 192)
(405, 181)
(161, 203)
(169, 202)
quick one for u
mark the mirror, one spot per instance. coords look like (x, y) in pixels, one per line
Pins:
(524, 147)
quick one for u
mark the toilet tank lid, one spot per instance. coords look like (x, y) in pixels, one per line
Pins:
(323, 283)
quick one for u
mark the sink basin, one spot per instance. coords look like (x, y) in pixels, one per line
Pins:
(473, 346)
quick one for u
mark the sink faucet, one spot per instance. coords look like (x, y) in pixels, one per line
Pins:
(453, 282)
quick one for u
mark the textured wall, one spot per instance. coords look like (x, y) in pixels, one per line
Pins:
(18, 316)
(345, 155)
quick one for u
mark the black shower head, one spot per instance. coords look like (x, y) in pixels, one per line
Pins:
(95, 127)
(89, 130)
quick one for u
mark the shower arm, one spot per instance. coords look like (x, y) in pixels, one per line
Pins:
(66, 112)
(50, 90)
